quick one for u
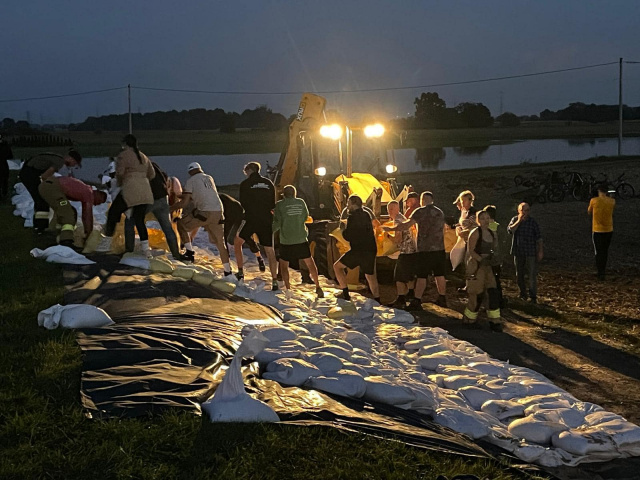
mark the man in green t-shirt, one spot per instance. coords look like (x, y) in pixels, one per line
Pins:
(289, 218)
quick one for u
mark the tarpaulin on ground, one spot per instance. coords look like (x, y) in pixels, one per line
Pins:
(171, 339)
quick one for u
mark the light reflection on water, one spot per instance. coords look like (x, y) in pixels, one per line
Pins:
(227, 169)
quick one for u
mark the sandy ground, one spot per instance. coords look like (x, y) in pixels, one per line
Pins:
(583, 357)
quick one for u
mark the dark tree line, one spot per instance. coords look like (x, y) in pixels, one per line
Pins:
(261, 117)
(591, 113)
(432, 112)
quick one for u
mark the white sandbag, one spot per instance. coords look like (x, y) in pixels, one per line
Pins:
(184, 272)
(316, 328)
(584, 441)
(463, 421)
(73, 316)
(344, 311)
(355, 368)
(438, 378)
(224, 286)
(546, 405)
(451, 370)
(335, 350)
(530, 452)
(269, 355)
(456, 382)
(625, 435)
(383, 390)
(310, 342)
(432, 348)
(502, 409)
(336, 342)
(160, 265)
(360, 360)
(491, 368)
(586, 407)
(457, 253)
(134, 260)
(291, 371)
(602, 417)
(299, 329)
(476, 396)
(557, 457)
(277, 333)
(535, 387)
(357, 340)
(535, 431)
(431, 362)
(568, 416)
(230, 402)
(61, 254)
(345, 383)
(205, 278)
(326, 362)
(530, 400)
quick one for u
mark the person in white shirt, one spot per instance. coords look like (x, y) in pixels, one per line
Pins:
(207, 213)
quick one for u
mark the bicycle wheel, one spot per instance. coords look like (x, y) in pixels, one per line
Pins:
(625, 191)
(555, 194)
(579, 192)
(518, 180)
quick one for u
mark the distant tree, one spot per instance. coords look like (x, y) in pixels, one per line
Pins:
(472, 115)
(508, 119)
(8, 125)
(228, 124)
(430, 110)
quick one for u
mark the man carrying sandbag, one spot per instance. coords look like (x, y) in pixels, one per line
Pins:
(208, 213)
(57, 192)
(42, 167)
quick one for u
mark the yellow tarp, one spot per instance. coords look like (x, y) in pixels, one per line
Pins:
(362, 184)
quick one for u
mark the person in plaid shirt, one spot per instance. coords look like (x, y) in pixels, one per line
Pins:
(526, 248)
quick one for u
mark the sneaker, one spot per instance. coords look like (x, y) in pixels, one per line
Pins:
(342, 296)
(399, 304)
(319, 292)
(240, 275)
(274, 286)
(226, 274)
(261, 264)
(441, 301)
(188, 256)
(415, 305)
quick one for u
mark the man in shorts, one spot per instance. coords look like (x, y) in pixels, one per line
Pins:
(403, 273)
(289, 218)
(431, 258)
(233, 217)
(360, 235)
(208, 213)
(258, 198)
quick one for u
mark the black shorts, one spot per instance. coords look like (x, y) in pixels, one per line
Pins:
(297, 251)
(431, 263)
(261, 229)
(405, 270)
(365, 260)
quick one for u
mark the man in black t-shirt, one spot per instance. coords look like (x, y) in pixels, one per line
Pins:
(361, 237)
(233, 217)
(258, 198)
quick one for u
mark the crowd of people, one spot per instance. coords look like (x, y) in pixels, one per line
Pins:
(417, 227)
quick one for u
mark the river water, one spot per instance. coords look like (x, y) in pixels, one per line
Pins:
(227, 169)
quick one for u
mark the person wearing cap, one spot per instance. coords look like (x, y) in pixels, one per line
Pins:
(133, 172)
(5, 155)
(160, 210)
(42, 167)
(58, 192)
(207, 213)
(411, 203)
(258, 198)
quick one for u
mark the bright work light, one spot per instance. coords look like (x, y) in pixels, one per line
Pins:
(321, 171)
(391, 168)
(334, 132)
(374, 131)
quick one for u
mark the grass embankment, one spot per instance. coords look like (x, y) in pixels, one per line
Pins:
(44, 433)
(210, 142)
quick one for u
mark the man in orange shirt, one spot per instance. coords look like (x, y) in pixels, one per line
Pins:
(601, 211)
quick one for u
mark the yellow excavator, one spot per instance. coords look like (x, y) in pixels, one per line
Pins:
(318, 159)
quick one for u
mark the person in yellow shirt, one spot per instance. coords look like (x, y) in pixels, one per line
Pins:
(601, 211)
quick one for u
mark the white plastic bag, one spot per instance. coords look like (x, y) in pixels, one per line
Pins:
(230, 402)
(61, 254)
(457, 253)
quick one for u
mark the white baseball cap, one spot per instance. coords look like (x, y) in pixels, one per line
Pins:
(194, 166)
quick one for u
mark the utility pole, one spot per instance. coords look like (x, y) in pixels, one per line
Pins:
(501, 102)
(620, 111)
(130, 124)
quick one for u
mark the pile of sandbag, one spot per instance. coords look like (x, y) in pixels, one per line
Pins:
(73, 316)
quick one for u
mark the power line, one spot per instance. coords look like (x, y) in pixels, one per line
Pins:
(365, 90)
(61, 96)
(415, 87)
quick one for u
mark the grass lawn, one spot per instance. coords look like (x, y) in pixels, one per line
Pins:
(44, 433)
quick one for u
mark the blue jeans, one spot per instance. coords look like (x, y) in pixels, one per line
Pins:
(526, 265)
(160, 210)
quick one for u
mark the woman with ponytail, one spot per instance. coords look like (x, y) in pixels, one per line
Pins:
(133, 172)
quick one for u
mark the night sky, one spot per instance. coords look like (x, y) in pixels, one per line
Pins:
(58, 47)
